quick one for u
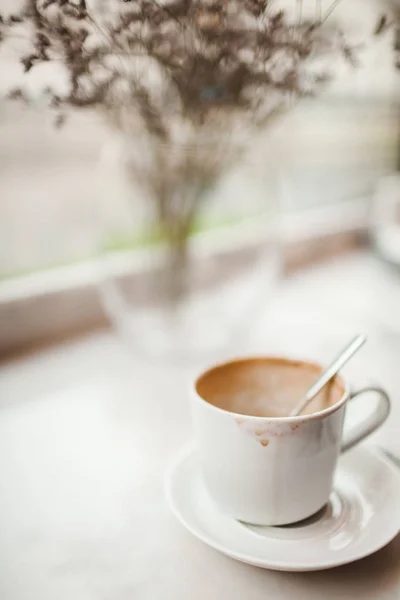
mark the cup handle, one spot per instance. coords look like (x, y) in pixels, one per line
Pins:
(371, 423)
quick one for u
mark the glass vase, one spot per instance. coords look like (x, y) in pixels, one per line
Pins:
(192, 250)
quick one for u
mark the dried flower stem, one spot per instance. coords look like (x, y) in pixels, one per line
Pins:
(330, 10)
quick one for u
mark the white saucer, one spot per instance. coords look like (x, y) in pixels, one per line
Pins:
(362, 516)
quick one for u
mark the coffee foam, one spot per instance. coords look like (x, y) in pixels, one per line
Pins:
(265, 387)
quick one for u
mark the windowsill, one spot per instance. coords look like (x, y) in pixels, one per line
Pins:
(39, 309)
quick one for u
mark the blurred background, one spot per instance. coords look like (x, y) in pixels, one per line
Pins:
(329, 165)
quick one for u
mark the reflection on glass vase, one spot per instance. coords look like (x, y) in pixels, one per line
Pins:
(192, 247)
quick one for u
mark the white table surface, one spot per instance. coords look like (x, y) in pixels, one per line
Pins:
(87, 429)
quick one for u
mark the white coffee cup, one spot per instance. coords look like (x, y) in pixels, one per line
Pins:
(273, 470)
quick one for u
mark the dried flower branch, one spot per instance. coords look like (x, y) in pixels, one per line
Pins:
(209, 55)
(180, 72)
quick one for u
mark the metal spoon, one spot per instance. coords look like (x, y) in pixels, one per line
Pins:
(329, 373)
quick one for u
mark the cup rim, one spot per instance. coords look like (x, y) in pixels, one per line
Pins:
(271, 358)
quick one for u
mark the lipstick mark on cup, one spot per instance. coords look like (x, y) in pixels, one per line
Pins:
(268, 430)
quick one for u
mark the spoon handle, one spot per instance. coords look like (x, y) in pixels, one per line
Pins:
(329, 373)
